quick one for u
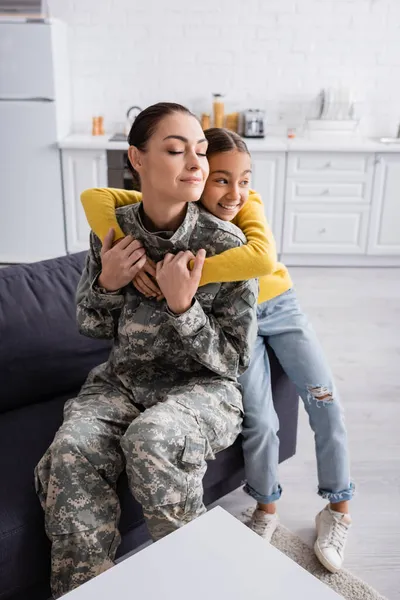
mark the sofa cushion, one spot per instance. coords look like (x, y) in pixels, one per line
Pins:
(42, 354)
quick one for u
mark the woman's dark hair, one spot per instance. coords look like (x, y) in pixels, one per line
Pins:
(145, 125)
(224, 140)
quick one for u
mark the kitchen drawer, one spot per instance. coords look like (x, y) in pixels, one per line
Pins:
(323, 192)
(330, 166)
(325, 229)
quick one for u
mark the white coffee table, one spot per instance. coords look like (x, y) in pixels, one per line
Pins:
(215, 557)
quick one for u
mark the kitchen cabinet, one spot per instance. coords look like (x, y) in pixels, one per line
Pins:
(384, 234)
(327, 203)
(82, 169)
(330, 203)
(85, 168)
(268, 179)
(325, 229)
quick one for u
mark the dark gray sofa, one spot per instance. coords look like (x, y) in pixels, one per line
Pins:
(43, 362)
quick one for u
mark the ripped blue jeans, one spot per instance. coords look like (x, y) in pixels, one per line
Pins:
(282, 323)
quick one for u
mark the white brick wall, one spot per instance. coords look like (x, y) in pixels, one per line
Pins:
(274, 54)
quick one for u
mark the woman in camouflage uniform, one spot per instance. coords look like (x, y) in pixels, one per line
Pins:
(167, 399)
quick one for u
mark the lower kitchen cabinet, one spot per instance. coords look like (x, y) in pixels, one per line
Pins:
(384, 235)
(82, 169)
(325, 229)
(325, 208)
(268, 179)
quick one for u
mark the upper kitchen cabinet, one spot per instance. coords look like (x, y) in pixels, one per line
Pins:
(268, 179)
(82, 169)
(384, 237)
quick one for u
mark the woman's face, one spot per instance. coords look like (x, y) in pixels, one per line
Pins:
(227, 187)
(174, 163)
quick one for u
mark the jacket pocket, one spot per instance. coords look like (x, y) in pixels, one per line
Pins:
(205, 295)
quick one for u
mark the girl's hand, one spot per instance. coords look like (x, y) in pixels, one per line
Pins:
(145, 284)
(177, 283)
(121, 262)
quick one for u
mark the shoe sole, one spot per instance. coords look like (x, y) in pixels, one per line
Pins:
(321, 557)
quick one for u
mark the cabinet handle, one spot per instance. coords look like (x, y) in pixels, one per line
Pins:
(325, 192)
(328, 165)
(323, 230)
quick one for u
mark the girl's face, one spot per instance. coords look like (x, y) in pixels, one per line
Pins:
(227, 187)
(174, 165)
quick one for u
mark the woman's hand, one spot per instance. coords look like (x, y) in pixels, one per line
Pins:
(177, 282)
(121, 262)
(147, 285)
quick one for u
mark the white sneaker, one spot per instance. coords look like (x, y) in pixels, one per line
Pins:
(332, 530)
(263, 524)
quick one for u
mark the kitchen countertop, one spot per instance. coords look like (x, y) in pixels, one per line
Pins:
(328, 143)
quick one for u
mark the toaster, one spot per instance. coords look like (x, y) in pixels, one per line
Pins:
(252, 123)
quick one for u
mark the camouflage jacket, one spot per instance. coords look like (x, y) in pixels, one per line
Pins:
(154, 349)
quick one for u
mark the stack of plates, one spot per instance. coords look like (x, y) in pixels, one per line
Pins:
(336, 104)
(336, 116)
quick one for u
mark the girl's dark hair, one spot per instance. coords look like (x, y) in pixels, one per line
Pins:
(224, 140)
(145, 125)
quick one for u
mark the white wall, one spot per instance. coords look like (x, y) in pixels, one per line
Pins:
(274, 54)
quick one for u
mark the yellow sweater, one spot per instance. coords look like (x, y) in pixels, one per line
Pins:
(255, 259)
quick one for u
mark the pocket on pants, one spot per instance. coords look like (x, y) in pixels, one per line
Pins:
(193, 459)
(194, 450)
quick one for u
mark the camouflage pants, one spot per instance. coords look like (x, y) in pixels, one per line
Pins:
(164, 449)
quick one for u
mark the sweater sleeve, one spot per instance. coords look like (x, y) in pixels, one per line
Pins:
(252, 260)
(99, 205)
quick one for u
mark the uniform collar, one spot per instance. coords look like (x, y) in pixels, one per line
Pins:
(169, 240)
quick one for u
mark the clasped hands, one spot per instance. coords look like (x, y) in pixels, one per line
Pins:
(171, 278)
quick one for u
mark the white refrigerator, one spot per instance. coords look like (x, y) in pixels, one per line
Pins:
(34, 115)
